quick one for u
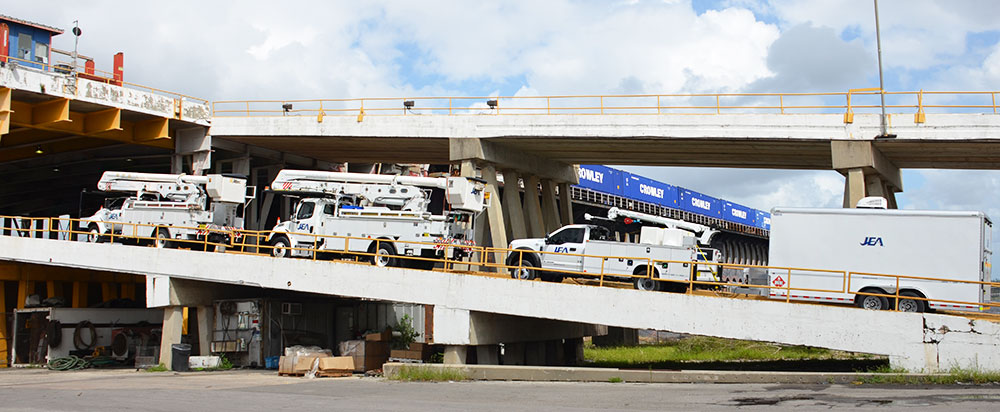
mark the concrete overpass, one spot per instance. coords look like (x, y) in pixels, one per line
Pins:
(474, 311)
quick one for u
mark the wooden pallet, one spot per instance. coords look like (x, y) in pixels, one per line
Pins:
(320, 374)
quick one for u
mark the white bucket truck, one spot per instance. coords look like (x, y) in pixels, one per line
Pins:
(929, 244)
(165, 208)
(385, 215)
(588, 250)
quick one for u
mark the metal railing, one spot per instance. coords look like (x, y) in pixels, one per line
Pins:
(480, 260)
(847, 103)
(100, 76)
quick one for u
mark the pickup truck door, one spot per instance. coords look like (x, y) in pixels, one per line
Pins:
(567, 240)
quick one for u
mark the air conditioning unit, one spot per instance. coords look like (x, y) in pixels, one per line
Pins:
(289, 308)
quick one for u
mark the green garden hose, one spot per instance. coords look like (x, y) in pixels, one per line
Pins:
(68, 363)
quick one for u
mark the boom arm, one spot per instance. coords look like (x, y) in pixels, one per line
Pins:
(181, 188)
(703, 232)
(461, 192)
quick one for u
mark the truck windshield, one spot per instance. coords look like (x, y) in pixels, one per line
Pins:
(305, 210)
(571, 235)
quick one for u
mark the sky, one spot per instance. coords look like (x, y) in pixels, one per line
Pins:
(340, 49)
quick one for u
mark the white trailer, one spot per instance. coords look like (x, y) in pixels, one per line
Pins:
(666, 254)
(169, 207)
(381, 214)
(931, 244)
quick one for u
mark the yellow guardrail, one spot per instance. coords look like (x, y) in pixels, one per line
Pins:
(689, 103)
(472, 259)
(105, 77)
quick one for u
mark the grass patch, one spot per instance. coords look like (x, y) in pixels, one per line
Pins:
(426, 374)
(158, 368)
(954, 376)
(615, 379)
(707, 349)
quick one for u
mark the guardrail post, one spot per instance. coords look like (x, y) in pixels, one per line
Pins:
(781, 103)
(897, 294)
(788, 286)
(920, 117)
(849, 115)
(718, 105)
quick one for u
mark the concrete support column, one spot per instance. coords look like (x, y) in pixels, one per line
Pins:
(617, 337)
(488, 354)
(173, 324)
(455, 354)
(550, 208)
(867, 172)
(565, 204)
(206, 320)
(513, 212)
(534, 353)
(854, 187)
(194, 142)
(498, 230)
(554, 354)
(573, 351)
(532, 207)
(513, 353)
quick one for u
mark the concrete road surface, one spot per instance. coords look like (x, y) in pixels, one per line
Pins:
(259, 391)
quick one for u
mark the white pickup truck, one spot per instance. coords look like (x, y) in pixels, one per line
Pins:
(588, 251)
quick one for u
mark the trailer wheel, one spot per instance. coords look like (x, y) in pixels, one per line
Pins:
(94, 235)
(163, 239)
(281, 247)
(385, 256)
(871, 302)
(910, 305)
(646, 283)
(525, 271)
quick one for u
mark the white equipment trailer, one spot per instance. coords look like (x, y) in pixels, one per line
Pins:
(931, 244)
(385, 215)
(588, 250)
(170, 207)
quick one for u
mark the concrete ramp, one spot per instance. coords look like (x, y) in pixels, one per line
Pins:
(927, 342)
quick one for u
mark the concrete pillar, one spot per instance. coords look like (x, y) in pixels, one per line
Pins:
(206, 322)
(494, 212)
(488, 354)
(617, 337)
(532, 208)
(173, 324)
(534, 353)
(455, 354)
(565, 204)
(554, 354)
(854, 187)
(573, 351)
(514, 213)
(513, 353)
(550, 208)
(867, 171)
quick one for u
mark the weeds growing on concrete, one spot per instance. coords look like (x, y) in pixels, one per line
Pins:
(615, 379)
(954, 376)
(158, 368)
(427, 374)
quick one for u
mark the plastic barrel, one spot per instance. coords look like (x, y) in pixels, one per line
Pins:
(180, 356)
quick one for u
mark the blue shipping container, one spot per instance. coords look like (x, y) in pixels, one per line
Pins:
(649, 190)
(695, 202)
(601, 178)
(738, 213)
(763, 220)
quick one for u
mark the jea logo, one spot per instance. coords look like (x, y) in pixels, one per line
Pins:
(591, 175)
(872, 241)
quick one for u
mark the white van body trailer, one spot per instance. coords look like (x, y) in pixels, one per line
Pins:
(932, 244)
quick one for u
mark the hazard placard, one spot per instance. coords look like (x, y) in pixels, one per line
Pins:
(778, 281)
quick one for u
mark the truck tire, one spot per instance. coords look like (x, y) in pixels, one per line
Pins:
(871, 302)
(526, 271)
(384, 256)
(910, 305)
(94, 235)
(281, 247)
(646, 283)
(163, 239)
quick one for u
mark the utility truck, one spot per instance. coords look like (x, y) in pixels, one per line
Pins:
(168, 208)
(670, 253)
(842, 252)
(385, 215)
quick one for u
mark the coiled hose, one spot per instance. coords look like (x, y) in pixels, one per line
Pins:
(68, 363)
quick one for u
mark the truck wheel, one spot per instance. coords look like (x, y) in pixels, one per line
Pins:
(645, 283)
(526, 271)
(94, 235)
(910, 305)
(871, 302)
(163, 239)
(384, 257)
(280, 247)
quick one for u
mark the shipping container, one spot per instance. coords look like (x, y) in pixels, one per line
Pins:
(601, 178)
(737, 213)
(763, 220)
(649, 190)
(701, 204)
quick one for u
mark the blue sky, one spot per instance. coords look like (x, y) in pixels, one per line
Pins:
(382, 48)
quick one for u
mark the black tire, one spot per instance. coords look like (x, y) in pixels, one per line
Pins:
(910, 305)
(162, 240)
(281, 247)
(551, 277)
(526, 270)
(384, 254)
(94, 235)
(646, 283)
(872, 302)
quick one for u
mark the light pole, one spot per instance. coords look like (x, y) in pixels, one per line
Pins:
(881, 83)
(76, 41)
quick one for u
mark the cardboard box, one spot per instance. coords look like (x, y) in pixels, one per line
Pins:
(305, 363)
(368, 355)
(337, 363)
(286, 365)
(406, 354)
(382, 336)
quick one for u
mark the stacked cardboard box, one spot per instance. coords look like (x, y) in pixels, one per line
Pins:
(416, 351)
(367, 354)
